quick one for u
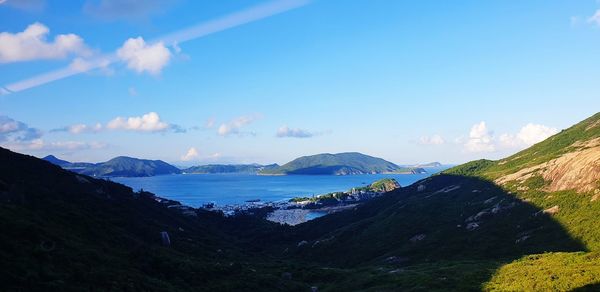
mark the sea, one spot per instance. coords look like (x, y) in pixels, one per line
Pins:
(195, 190)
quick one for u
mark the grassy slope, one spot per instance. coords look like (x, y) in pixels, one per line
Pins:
(486, 253)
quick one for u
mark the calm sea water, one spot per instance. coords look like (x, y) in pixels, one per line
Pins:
(224, 189)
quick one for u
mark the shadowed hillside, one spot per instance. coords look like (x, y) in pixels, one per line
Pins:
(65, 231)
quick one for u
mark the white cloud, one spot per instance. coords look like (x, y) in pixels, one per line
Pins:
(141, 57)
(149, 122)
(285, 131)
(595, 19)
(234, 126)
(432, 140)
(191, 154)
(528, 135)
(31, 44)
(480, 139)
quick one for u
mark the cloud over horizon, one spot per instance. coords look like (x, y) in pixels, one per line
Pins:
(18, 136)
(234, 126)
(481, 139)
(191, 154)
(432, 140)
(287, 132)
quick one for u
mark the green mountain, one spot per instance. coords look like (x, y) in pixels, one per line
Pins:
(118, 166)
(128, 166)
(338, 164)
(229, 168)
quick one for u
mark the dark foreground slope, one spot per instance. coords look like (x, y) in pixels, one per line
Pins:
(64, 231)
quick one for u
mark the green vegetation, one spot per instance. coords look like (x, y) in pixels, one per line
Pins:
(380, 186)
(548, 272)
(339, 164)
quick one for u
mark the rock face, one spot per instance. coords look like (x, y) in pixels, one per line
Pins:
(576, 170)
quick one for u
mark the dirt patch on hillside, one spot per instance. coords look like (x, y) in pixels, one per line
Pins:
(578, 170)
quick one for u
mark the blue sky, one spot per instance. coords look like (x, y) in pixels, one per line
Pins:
(409, 81)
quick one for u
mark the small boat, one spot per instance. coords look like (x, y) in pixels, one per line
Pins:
(253, 201)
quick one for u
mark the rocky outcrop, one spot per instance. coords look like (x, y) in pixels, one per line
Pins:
(576, 170)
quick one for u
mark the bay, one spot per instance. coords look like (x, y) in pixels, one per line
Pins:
(229, 189)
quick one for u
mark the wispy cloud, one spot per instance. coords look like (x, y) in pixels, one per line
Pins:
(210, 122)
(80, 129)
(595, 19)
(287, 132)
(32, 44)
(132, 91)
(124, 9)
(432, 140)
(234, 127)
(39, 145)
(200, 30)
(25, 5)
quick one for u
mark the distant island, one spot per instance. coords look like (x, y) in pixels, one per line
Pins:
(229, 168)
(429, 165)
(347, 163)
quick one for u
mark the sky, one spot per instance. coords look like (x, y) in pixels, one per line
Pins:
(197, 82)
